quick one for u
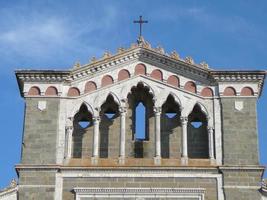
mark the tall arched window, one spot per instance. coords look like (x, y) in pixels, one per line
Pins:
(82, 133)
(140, 121)
(197, 134)
(141, 114)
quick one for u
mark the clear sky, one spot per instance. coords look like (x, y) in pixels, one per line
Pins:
(53, 34)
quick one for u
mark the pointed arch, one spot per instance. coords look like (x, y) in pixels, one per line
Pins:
(176, 98)
(146, 85)
(77, 107)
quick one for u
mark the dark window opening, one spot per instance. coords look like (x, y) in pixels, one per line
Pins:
(109, 113)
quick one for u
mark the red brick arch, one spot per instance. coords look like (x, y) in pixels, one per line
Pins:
(156, 74)
(90, 86)
(206, 92)
(229, 91)
(51, 91)
(73, 92)
(123, 74)
(247, 91)
(190, 86)
(34, 91)
(174, 81)
(106, 80)
(140, 69)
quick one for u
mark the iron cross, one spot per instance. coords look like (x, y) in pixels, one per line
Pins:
(140, 22)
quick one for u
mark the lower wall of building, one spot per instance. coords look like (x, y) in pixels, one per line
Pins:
(141, 182)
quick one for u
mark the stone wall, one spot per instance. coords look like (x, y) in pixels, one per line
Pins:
(242, 184)
(36, 185)
(240, 138)
(40, 132)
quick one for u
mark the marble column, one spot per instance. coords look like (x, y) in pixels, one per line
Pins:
(96, 121)
(68, 142)
(211, 143)
(157, 112)
(184, 159)
(122, 134)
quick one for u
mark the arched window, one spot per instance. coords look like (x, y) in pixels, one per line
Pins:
(197, 134)
(90, 86)
(170, 129)
(34, 91)
(123, 74)
(174, 81)
(191, 87)
(73, 92)
(82, 133)
(229, 91)
(140, 122)
(51, 91)
(140, 69)
(247, 91)
(106, 80)
(206, 92)
(140, 103)
(109, 125)
(157, 74)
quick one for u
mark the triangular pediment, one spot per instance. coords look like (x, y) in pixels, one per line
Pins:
(142, 54)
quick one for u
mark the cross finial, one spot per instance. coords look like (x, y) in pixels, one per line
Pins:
(140, 22)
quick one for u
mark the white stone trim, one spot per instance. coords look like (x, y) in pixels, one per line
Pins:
(241, 187)
(58, 186)
(140, 193)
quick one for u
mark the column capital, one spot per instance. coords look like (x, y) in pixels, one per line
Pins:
(96, 119)
(157, 110)
(69, 127)
(210, 128)
(184, 120)
(122, 109)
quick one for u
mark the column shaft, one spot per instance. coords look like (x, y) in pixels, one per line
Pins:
(157, 111)
(68, 148)
(184, 137)
(122, 132)
(211, 143)
(96, 137)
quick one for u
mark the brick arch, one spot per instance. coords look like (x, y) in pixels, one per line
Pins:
(174, 81)
(34, 91)
(90, 86)
(206, 92)
(123, 74)
(229, 91)
(190, 86)
(247, 91)
(73, 92)
(156, 74)
(140, 69)
(106, 80)
(51, 91)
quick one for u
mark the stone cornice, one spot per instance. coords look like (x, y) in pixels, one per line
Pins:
(138, 190)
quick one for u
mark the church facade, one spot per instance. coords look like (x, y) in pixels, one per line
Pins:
(81, 138)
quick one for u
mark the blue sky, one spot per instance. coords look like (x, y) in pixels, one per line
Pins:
(55, 34)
